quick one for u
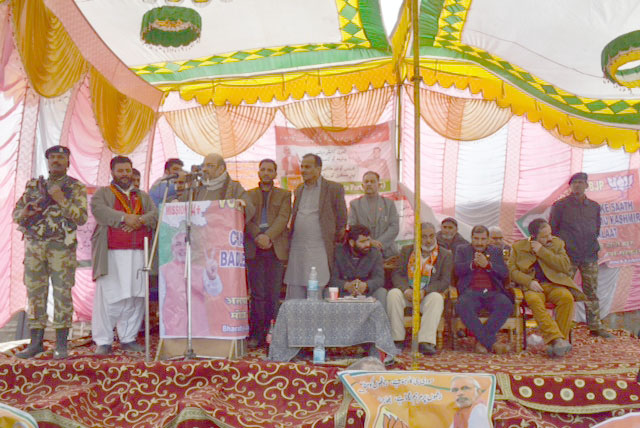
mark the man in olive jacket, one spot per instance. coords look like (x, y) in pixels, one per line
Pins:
(540, 265)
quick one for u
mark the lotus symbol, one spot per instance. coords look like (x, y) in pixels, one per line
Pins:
(621, 183)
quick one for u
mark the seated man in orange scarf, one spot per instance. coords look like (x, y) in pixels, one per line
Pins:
(542, 267)
(437, 265)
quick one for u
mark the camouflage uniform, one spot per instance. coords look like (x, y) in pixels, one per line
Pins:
(50, 249)
(589, 273)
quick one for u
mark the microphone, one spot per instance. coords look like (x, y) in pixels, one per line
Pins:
(169, 177)
(198, 175)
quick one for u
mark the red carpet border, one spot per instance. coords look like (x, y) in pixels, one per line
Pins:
(595, 382)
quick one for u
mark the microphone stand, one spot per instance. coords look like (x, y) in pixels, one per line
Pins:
(189, 354)
(148, 261)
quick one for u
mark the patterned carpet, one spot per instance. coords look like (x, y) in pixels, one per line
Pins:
(595, 382)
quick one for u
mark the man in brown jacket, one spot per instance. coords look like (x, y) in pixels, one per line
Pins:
(541, 266)
(317, 223)
(266, 249)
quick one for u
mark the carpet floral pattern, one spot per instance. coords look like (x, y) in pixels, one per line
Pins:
(595, 382)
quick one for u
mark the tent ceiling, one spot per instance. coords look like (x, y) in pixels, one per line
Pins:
(547, 49)
(244, 37)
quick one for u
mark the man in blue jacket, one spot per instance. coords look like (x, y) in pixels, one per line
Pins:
(481, 274)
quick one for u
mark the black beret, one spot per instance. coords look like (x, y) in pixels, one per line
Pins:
(57, 149)
(579, 176)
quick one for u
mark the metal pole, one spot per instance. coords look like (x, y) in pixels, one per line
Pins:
(189, 353)
(417, 274)
(146, 300)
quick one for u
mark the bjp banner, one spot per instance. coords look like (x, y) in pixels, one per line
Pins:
(218, 282)
(618, 194)
(346, 155)
(413, 399)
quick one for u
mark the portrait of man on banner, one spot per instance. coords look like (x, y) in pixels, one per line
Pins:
(421, 398)
(218, 283)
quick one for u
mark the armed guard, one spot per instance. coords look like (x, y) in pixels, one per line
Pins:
(48, 214)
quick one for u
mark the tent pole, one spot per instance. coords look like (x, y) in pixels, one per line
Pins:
(398, 129)
(417, 270)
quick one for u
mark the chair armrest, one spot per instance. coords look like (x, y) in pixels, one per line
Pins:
(517, 293)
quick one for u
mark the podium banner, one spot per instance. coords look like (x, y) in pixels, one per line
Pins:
(219, 307)
(405, 399)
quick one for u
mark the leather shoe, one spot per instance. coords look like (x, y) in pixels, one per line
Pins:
(561, 347)
(399, 344)
(132, 347)
(480, 349)
(500, 348)
(601, 332)
(103, 350)
(427, 348)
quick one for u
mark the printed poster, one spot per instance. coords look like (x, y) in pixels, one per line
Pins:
(618, 194)
(346, 155)
(412, 399)
(218, 281)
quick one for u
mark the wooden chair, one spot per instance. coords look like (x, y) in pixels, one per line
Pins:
(527, 318)
(446, 314)
(514, 324)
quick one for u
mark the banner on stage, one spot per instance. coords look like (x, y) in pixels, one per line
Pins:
(346, 155)
(618, 194)
(404, 399)
(218, 281)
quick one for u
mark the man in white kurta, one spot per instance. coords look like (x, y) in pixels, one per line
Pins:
(125, 216)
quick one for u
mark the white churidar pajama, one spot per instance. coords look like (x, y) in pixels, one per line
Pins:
(119, 298)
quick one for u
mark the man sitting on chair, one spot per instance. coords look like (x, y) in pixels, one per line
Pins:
(437, 265)
(358, 266)
(541, 266)
(481, 273)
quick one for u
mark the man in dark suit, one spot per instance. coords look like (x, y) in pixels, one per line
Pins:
(482, 273)
(318, 221)
(266, 249)
(437, 265)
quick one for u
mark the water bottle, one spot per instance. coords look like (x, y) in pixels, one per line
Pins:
(270, 333)
(318, 348)
(312, 286)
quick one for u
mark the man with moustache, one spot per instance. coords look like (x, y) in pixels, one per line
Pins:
(171, 167)
(540, 265)
(472, 411)
(436, 267)
(180, 184)
(358, 266)
(576, 220)
(124, 216)
(481, 275)
(48, 214)
(266, 249)
(218, 185)
(378, 214)
(448, 237)
(135, 178)
(318, 221)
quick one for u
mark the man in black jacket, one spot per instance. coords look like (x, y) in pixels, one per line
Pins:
(358, 267)
(576, 220)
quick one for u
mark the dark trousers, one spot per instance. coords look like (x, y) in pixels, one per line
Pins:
(265, 281)
(499, 306)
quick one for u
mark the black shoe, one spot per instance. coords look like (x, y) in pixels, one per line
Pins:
(601, 332)
(60, 353)
(132, 347)
(103, 350)
(399, 344)
(427, 349)
(35, 346)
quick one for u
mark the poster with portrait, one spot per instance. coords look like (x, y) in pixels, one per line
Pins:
(409, 399)
(346, 155)
(218, 283)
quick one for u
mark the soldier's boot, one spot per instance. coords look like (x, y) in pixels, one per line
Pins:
(61, 344)
(35, 347)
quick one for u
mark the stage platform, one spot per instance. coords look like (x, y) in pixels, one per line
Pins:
(595, 382)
